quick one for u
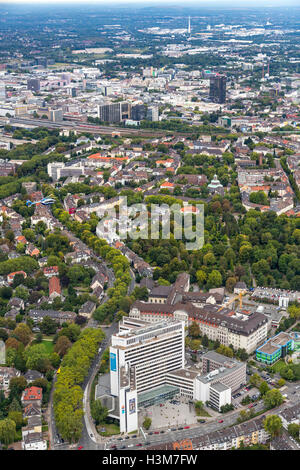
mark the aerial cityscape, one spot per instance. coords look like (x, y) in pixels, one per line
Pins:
(149, 227)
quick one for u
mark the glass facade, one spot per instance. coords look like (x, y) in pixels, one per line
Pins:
(157, 395)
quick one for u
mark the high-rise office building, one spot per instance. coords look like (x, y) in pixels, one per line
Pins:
(114, 112)
(152, 350)
(217, 90)
(33, 84)
(138, 112)
(2, 92)
(56, 115)
(153, 113)
(141, 356)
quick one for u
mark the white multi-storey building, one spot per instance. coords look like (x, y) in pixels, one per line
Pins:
(153, 350)
(242, 330)
(141, 355)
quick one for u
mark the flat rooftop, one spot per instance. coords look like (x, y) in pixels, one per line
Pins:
(273, 344)
(219, 387)
(184, 373)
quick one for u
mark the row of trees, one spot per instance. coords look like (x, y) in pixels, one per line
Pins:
(112, 256)
(68, 394)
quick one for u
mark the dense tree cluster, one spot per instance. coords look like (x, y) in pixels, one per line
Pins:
(68, 394)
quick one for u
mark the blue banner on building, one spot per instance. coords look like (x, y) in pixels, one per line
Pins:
(113, 362)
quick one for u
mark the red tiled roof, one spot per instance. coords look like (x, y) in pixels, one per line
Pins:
(54, 285)
(32, 393)
(12, 275)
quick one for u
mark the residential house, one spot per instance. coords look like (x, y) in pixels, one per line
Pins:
(16, 303)
(50, 271)
(6, 374)
(34, 441)
(32, 375)
(87, 309)
(60, 317)
(11, 276)
(32, 395)
(54, 287)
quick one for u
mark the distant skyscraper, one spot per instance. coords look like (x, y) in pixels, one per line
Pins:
(33, 84)
(56, 115)
(2, 92)
(138, 112)
(153, 113)
(114, 112)
(189, 26)
(217, 91)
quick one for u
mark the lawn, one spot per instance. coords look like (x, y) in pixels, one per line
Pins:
(202, 412)
(111, 429)
(278, 366)
(48, 345)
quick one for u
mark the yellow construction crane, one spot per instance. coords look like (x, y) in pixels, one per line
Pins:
(237, 297)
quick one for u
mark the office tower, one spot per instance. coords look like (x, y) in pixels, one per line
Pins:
(138, 112)
(189, 26)
(2, 92)
(150, 350)
(114, 112)
(106, 90)
(153, 113)
(43, 61)
(33, 84)
(56, 115)
(141, 356)
(217, 91)
(66, 77)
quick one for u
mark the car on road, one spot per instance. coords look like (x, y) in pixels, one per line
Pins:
(202, 421)
(162, 432)
(80, 447)
(123, 447)
(221, 421)
(173, 429)
(186, 427)
(156, 432)
(130, 445)
(113, 446)
(120, 438)
(147, 443)
(134, 436)
(251, 405)
(139, 444)
(126, 437)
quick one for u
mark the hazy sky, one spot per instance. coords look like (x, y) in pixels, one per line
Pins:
(199, 3)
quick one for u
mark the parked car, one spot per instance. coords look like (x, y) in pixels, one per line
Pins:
(221, 421)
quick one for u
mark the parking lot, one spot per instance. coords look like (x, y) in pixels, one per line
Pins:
(238, 396)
